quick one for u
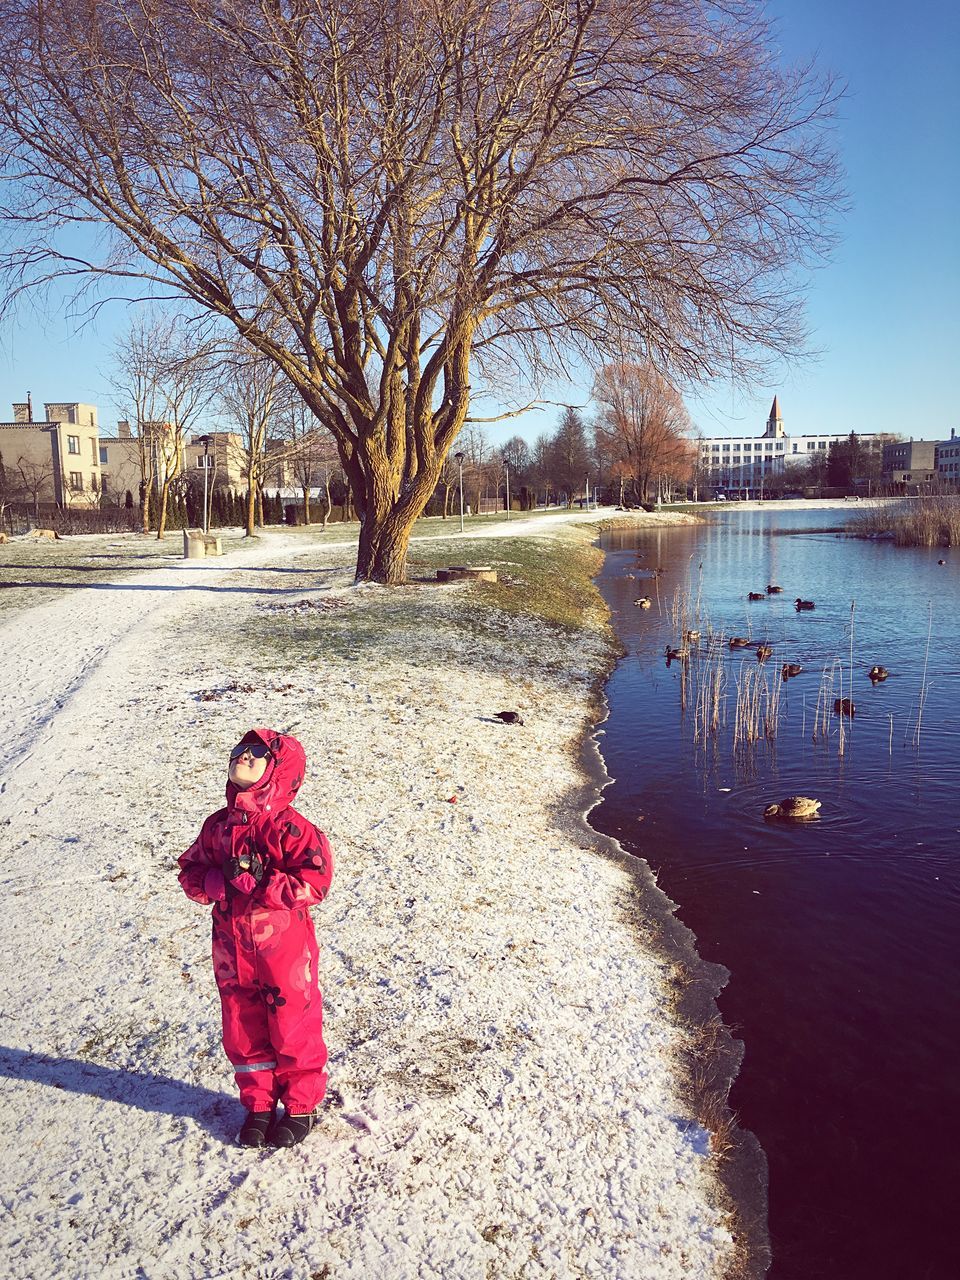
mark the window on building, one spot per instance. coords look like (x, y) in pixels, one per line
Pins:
(811, 444)
(104, 482)
(73, 444)
(768, 448)
(205, 462)
(779, 446)
(796, 447)
(76, 482)
(103, 456)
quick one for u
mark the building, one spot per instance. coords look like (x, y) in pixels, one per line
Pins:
(120, 469)
(910, 462)
(224, 455)
(743, 465)
(947, 460)
(55, 461)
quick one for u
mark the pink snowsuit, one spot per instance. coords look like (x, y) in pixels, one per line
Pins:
(264, 945)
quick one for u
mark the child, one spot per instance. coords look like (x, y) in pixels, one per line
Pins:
(263, 866)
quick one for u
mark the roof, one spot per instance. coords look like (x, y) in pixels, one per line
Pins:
(774, 410)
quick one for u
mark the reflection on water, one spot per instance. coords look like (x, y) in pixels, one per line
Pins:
(839, 933)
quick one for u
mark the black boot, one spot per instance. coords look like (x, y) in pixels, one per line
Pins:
(255, 1128)
(291, 1130)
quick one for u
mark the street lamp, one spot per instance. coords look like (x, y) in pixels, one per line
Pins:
(205, 441)
(459, 458)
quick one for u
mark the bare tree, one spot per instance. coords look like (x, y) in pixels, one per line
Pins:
(35, 477)
(252, 390)
(166, 372)
(644, 423)
(310, 452)
(384, 197)
(136, 381)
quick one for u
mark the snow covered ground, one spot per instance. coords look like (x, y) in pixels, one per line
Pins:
(504, 1093)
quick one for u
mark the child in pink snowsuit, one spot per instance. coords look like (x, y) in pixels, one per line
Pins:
(263, 866)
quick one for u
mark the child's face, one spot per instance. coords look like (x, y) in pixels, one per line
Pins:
(246, 769)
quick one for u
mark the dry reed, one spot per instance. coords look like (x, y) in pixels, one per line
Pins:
(932, 520)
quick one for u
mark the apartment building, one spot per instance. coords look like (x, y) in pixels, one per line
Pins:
(910, 462)
(224, 455)
(55, 460)
(947, 459)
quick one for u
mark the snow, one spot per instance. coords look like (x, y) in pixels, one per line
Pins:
(505, 1097)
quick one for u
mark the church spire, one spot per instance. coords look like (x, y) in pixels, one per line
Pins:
(774, 423)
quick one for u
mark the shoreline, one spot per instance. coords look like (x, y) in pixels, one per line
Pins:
(716, 1060)
(509, 1100)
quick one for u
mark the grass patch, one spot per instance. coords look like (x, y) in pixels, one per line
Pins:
(536, 616)
(550, 578)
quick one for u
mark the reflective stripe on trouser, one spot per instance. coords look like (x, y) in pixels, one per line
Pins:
(272, 1010)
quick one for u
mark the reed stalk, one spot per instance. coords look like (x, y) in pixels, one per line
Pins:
(923, 683)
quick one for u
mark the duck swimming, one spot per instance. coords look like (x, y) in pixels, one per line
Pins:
(877, 674)
(803, 604)
(794, 808)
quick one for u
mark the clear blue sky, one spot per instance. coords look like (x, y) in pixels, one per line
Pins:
(884, 313)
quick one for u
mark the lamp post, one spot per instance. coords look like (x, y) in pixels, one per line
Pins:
(205, 441)
(459, 458)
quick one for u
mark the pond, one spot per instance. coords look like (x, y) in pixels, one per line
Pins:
(840, 934)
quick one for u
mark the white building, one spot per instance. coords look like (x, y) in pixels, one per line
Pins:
(744, 464)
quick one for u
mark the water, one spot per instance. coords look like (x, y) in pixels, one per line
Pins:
(840, 934)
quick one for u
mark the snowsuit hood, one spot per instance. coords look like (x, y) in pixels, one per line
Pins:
(281, 781)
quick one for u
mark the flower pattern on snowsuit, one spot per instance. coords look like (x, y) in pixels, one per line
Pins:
(264, 948)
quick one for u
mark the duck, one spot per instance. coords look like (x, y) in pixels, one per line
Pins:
(756, 595)
(691, 635)
(791, 669)
(803, 604)
(844, 707)
(676, 655)
(738, 642)
(794, 808)
(774, 591)
(764, 651)
(941, 562)
(643, 603)
(877, 674)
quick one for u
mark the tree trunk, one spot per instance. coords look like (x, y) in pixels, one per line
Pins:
(306, 505)
(382, 550)
(162, 520)
(251, 507)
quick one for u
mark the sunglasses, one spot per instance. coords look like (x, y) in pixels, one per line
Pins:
(256, 749)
